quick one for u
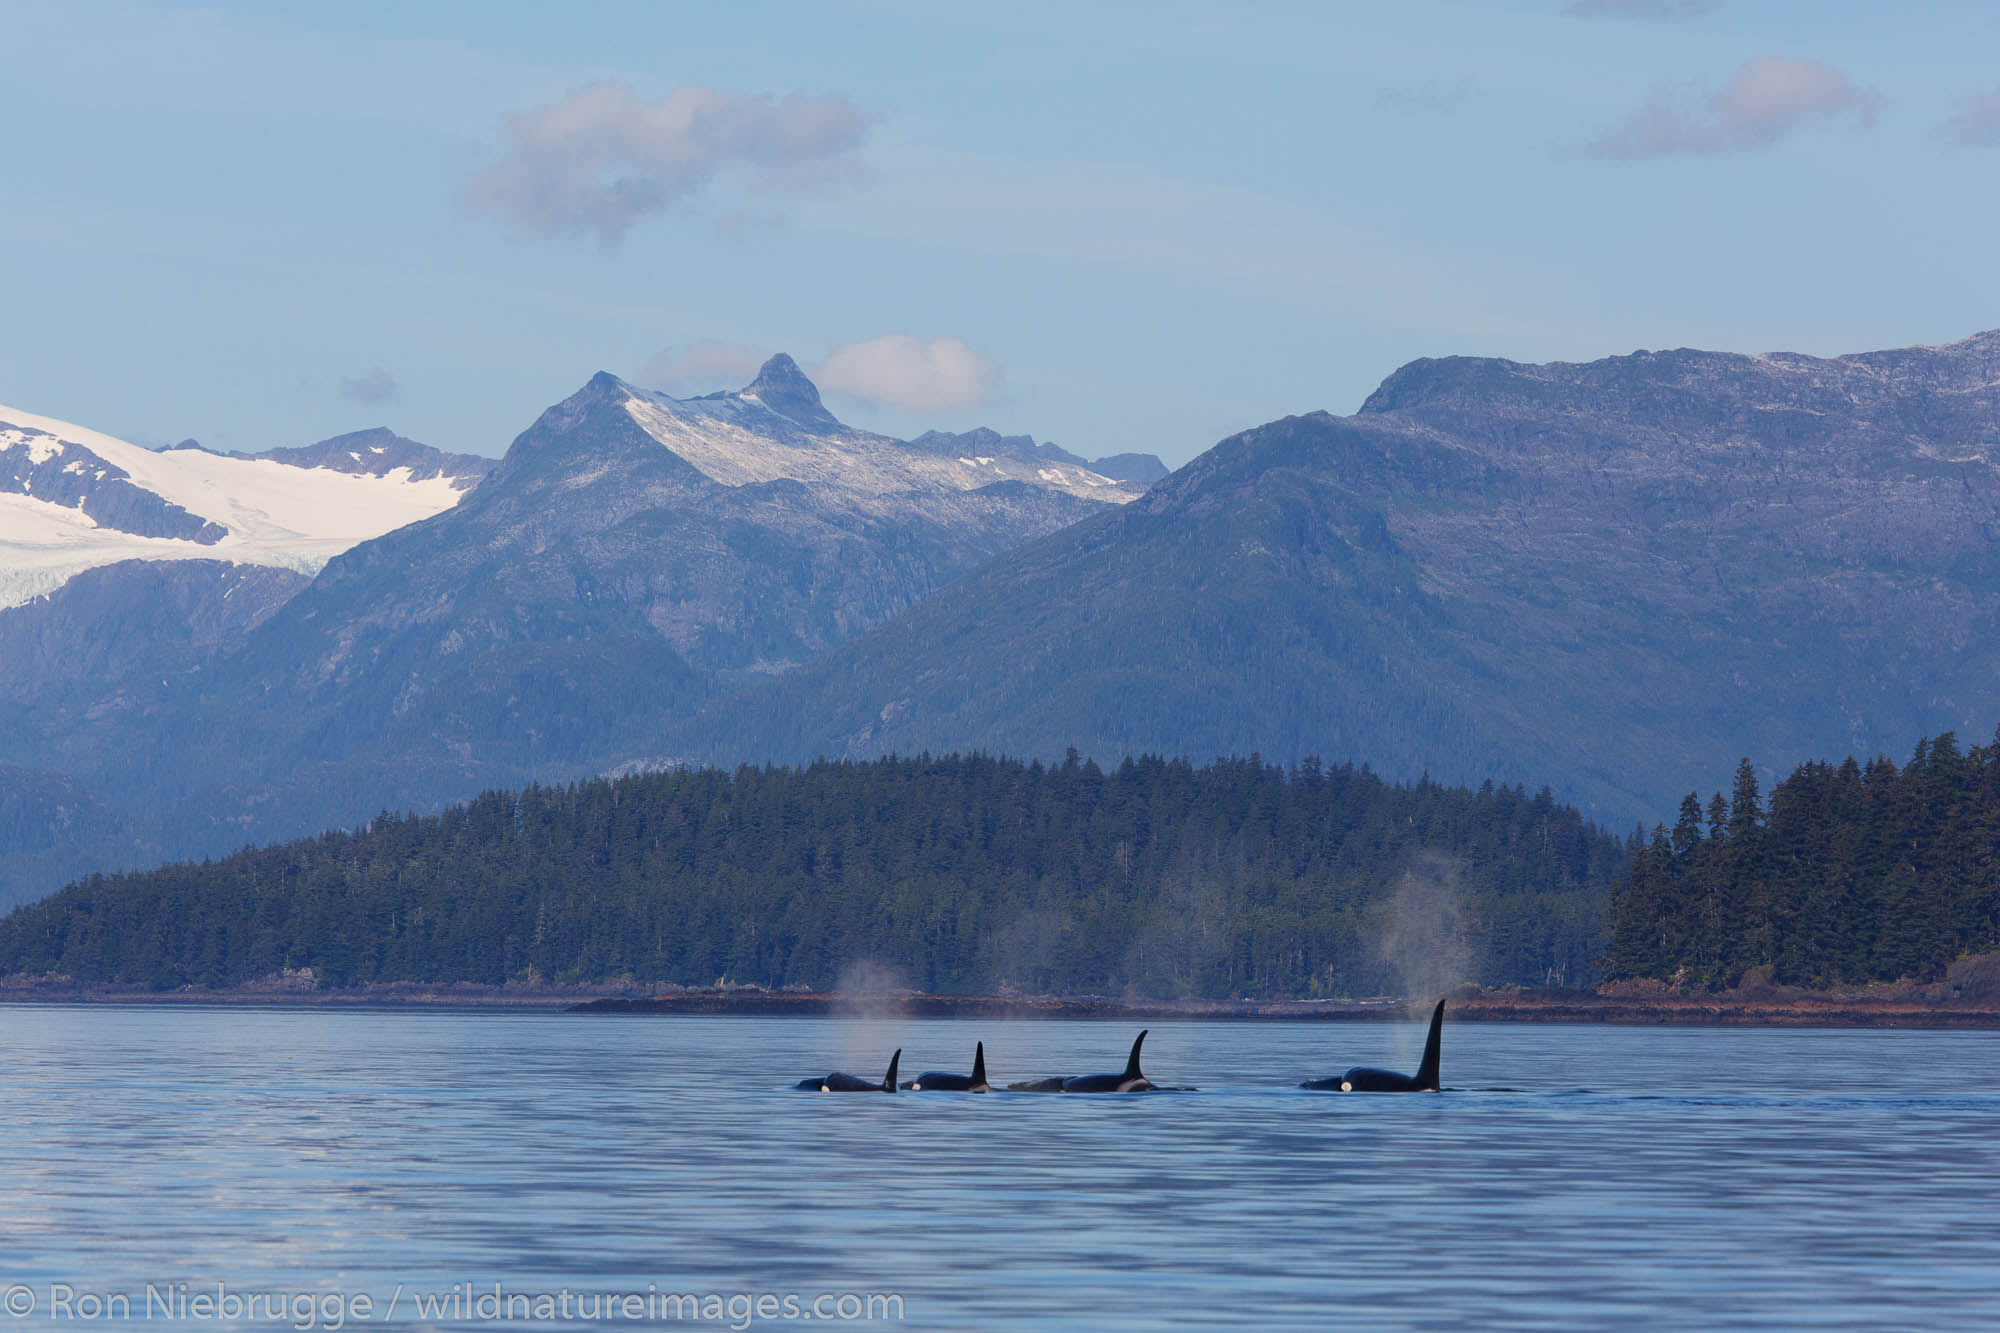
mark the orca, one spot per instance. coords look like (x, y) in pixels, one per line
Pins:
(932, 1081)
(850, 1082)
(1363, 1079)
(1129, 1081)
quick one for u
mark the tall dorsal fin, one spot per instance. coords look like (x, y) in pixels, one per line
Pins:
(1427, 1072)
(1132, 1064)
(889, 1079)
(979, 1064)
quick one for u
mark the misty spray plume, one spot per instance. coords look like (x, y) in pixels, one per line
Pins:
(1420, 930)
(869, 993)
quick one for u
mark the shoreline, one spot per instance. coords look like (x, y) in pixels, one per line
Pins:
(1492, 1006)
(1888, 1007)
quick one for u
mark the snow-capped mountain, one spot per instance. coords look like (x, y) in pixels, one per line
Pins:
(633, 557)
(1140, 470)
(73, 499)
(740, 532)
(379, 452)
(776, 428)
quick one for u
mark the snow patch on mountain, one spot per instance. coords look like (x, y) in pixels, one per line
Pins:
(762, 435)
(181, 504)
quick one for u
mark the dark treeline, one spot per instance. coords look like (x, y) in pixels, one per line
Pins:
(965, 874)
(1861, 872)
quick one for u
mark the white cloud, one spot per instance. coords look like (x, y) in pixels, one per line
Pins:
(896, 370)
(1638, 9)
(1977, 124)
(1765, 100)
(602, 157)
(371, 388)
(701, 367)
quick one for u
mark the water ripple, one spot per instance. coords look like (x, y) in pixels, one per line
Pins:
(1676, 1177)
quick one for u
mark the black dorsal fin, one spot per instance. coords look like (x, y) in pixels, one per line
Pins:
(1132, 1065)
(889, 1079)
(1427, 1072)
(979, 1064)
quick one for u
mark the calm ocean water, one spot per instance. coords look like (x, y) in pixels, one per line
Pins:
(1666, 1177)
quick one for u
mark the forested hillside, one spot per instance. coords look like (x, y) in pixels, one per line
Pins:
(963, 874)
(1861, 872)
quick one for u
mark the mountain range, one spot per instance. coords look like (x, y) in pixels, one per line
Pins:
(1616, 577)
(632, 557)
(1612, 577)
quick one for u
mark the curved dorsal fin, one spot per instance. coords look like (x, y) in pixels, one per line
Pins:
(1132, 1064)
(889, 1079)
(1427, 1072)
(978, 1064)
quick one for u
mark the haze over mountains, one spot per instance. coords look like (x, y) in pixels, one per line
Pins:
(1615, 577)
(1612, 577)
(632, 556)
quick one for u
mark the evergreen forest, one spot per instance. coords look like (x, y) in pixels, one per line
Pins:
(961, 874)
(1850, 873)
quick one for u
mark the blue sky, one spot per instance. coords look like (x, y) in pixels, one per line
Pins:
(1121, 227)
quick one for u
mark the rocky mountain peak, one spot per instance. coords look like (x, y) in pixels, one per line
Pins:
(1969, 364)
(380, 452)
(1139, 470)
(782, 387)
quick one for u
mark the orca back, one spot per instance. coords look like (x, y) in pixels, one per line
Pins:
(1129, 1081)
(838, 1082)
(1362, 1078)
(932, 1080)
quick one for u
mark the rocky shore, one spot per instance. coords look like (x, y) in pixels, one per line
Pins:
(1967, 997)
